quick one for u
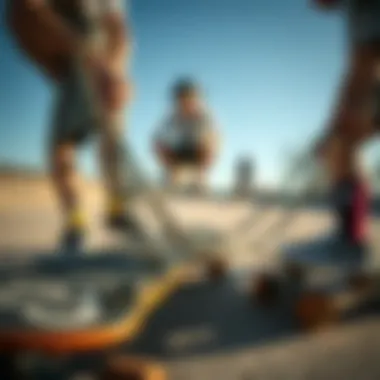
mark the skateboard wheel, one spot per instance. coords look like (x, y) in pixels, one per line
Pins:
(315, 311)
(266, 289)
(216, 269)
(132, 368)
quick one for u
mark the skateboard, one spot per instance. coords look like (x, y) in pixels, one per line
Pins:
(57, 305)
(54, 307)
(64, 306)
(89, 301)
(325, 280)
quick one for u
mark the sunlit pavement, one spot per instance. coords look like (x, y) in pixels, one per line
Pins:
(29, 223)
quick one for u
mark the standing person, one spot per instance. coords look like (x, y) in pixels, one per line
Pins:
(188, 136)
(356, 116)
(70, 40)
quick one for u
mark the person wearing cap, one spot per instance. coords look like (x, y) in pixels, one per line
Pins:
(187, 138)
(83, 48)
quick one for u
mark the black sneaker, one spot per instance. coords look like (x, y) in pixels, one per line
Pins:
(72, 241)
(124, 223)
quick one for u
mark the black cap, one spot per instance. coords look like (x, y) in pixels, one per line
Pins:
(183, 87)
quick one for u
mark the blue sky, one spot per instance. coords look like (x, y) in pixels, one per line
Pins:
(269, 68)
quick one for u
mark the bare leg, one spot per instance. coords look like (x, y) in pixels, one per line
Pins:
(112, 163)
(64, 176)
(352, 122)
(116, 176)
(66, 182)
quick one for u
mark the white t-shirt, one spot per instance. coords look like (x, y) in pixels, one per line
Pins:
(175, 131)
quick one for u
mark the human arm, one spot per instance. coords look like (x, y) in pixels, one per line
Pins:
(116, 52)
(56, 28)
(118, 39)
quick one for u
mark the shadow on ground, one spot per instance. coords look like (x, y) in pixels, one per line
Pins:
(211, 318)
(200, 317)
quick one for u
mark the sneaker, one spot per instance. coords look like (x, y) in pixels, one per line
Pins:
(124, 223)
(72, 241)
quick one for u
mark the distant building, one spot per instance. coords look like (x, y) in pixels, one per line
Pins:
(244, 177)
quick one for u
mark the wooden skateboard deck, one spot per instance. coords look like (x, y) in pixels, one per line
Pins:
(83, 303)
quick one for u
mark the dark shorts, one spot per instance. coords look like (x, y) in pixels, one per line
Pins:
(188, 155)
(74, 115)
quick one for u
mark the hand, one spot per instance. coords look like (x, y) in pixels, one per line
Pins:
(114, 91)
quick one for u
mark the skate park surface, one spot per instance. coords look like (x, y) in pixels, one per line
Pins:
(209, 330)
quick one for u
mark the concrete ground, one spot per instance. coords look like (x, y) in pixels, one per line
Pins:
(203, 332)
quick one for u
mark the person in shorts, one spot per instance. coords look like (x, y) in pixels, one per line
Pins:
(188, 136)
(83, 48)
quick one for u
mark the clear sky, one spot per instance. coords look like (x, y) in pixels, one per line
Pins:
(270, 69)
